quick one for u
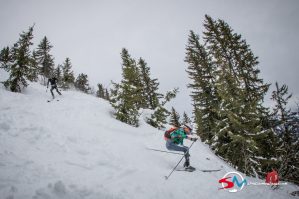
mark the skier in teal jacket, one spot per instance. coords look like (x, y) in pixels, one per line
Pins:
(174, 141)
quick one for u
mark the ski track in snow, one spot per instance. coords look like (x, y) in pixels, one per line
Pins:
(73, 148)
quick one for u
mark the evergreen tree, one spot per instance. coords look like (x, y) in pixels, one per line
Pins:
(45, 59)
(169, 96)
(227, 94)
(126, 96)
(5, 58)
(203, 73)
(286, 126)
(137, 90)
(151, 97)
(82, 84)
(175, 118)
(58, 74)
(33, 72)
(101, 91)
(149, 87)
(241, 92)
(67, 74)
(107, 95)
(186, 119)
(199, 123)
(159, 117)
(18, 62)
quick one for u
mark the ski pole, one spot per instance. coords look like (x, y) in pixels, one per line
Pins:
(166, 177)
(164, 151)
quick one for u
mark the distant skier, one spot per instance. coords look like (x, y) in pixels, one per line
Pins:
(53, 81)
(174, 141)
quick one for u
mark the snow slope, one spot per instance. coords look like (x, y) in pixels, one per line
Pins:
(74, 148)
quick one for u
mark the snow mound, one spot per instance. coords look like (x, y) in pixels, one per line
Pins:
(74, 148)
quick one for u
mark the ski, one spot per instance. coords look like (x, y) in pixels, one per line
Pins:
(157, 150)
(202, 170)
(209, 170)
(52, 100)
(188, 169)
(184, 170)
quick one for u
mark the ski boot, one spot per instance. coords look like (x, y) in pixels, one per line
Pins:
(188, 167)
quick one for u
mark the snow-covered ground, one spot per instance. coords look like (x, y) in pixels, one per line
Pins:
(74, 148)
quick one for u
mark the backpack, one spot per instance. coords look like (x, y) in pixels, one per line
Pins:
(169, 131)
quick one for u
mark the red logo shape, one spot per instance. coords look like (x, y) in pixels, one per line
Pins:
(229, 183)
(272, 177)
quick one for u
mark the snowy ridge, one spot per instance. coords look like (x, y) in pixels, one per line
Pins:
(74, 148)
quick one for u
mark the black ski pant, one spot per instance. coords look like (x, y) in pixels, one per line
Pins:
(52, 88)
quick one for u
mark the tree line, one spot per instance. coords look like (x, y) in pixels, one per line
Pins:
(25, 65)
(138, 91)
(228, 109)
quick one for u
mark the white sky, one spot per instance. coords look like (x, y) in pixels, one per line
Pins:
(93, 32)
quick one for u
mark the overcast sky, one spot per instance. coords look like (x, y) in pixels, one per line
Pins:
(93, 32)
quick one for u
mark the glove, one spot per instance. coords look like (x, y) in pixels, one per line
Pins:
(193, 139)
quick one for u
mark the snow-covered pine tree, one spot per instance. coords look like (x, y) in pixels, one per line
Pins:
(228, 90)
(241, 92)
(174, 118)
(68, 78)
(149, 87)
(82, 84)
(18, 63)
(45, 59)
(286, 126)
(202, 72)
(126, 97)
